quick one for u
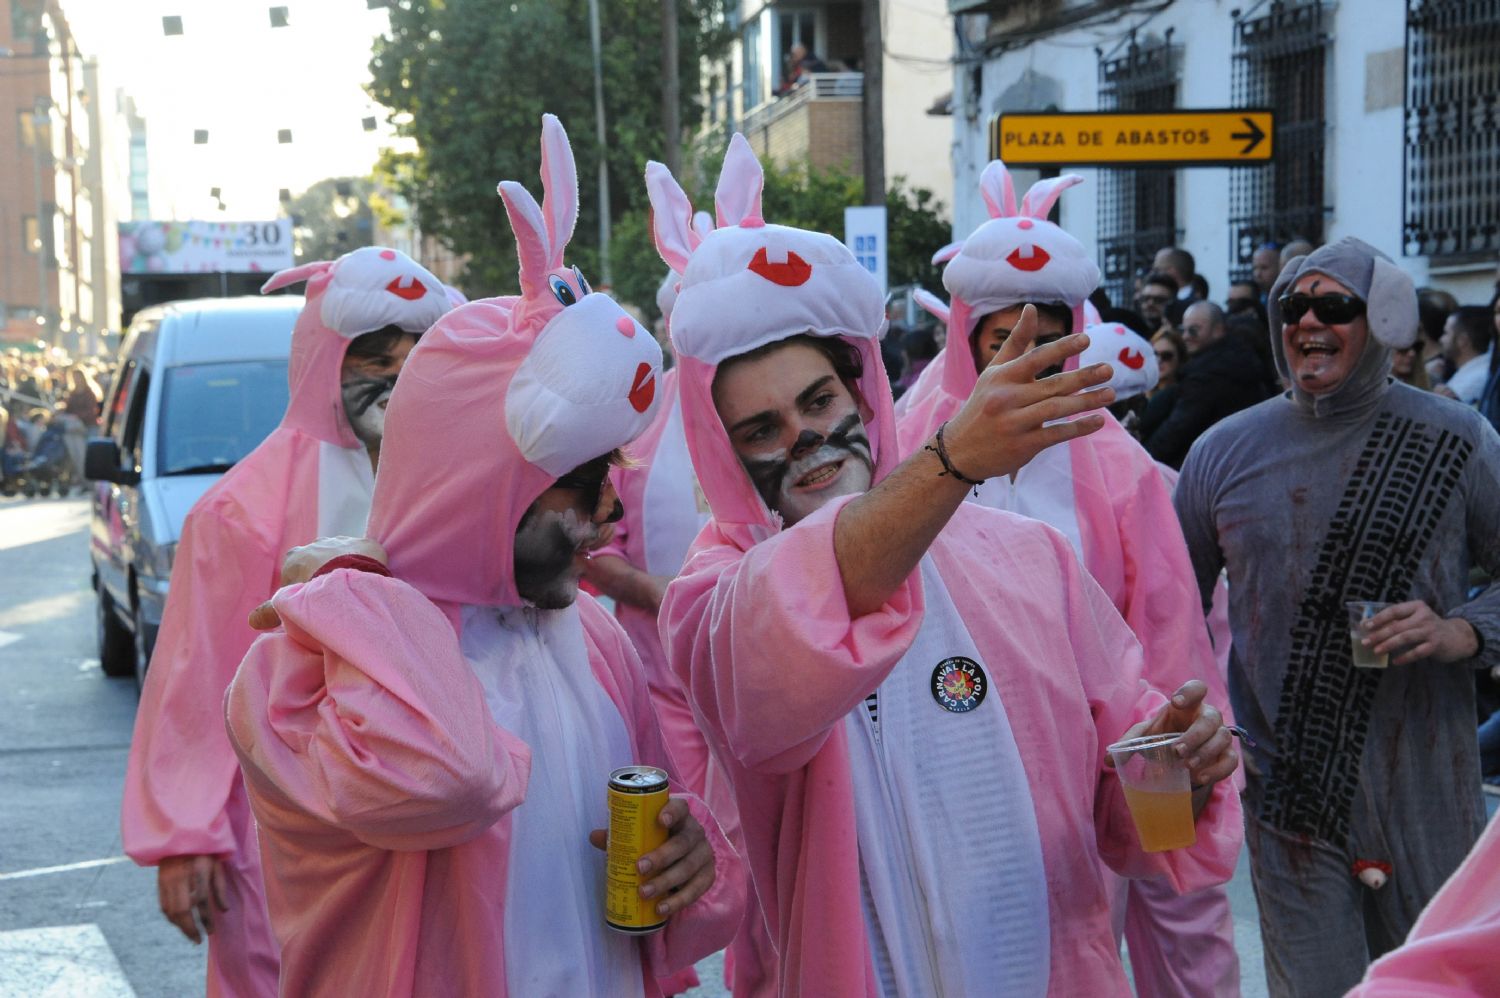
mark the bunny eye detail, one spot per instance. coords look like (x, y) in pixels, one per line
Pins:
(561, 291)
(582, 284)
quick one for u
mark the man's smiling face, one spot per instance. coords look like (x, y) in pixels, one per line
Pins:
(796, 427)
(1322, 355)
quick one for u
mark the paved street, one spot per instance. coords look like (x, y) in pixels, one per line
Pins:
(75, 917)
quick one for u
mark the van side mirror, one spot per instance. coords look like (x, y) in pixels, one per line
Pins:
(101, 463)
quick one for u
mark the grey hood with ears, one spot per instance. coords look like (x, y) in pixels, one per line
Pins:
(1390, 308)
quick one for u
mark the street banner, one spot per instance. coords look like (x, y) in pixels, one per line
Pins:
(205, 247)
(1224, 137)
(864, 234)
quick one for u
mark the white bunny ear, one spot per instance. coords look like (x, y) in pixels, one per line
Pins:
(671, 217)
(998, 189)
(931, 303)
(306, 272)
(1043, 195)
(703, 224)
(533, 247)
(737, 198)
(947, 253)
(559, 187)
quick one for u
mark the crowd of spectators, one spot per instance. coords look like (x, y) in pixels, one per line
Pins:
(49, 405)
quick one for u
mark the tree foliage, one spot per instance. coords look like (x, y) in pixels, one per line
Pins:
(469, 81)
(332, 217)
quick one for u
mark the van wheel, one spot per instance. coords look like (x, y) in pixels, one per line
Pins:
(116, 650)
(144, 641)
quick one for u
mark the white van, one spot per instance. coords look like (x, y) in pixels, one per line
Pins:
(198, 385)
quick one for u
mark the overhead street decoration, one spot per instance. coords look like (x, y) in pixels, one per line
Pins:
(1223, 137)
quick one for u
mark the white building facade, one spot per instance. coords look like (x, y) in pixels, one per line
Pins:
(1386, 125)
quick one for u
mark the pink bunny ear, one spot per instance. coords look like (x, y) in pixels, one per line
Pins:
(998, 189)
(559, 187)
(533, 247)
(737, 198)
(671, 217)
(1043, 195)
(947, 253)
(703, 224)
(931, 303)
(306, 272)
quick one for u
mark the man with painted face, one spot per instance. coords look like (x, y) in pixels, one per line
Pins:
(184, 808)
(427, 741)
(1350, 487)
(911, 694)
(1106, 495)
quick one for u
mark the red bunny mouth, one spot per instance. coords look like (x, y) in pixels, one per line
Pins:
(793, 273)
(1132, 358)
(643, 389)
(1038, 259)
(411, 292)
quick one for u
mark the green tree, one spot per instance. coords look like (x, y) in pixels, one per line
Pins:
(469, 81)
(332, 217)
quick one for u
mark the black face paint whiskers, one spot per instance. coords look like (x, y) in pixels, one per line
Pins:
(768, 474)
(361, 393)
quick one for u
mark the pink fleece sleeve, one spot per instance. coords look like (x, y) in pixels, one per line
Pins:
(708, 924)
(765, 645)
(363, 715)
(1451, 951)
(1162, 605)
(181, 767)
(1110, 666)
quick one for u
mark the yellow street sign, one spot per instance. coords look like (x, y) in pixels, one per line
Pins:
(1226, 137)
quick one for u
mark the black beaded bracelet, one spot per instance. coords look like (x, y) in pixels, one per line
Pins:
(941, 450)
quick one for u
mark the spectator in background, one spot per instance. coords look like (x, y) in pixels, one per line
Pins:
(1251, 329)
(1489, 403)
(1241, 295)
(1158, 290)
(1172, 315)
(1406, 368)
(800, 64)
(1199, 285)
(1297, 247)
(1171, 354)
(1178, 264)
(1265, 264)
(81, 404)
(1222, 376)
(1433, 309)
(920, 345)
(1467, 337)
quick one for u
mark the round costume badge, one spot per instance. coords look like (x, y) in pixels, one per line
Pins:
(959, 684)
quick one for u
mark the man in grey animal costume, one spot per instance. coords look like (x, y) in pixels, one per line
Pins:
(1351, 486)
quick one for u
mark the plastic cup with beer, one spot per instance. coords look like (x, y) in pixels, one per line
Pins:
(1158, 790)
(1359, 615)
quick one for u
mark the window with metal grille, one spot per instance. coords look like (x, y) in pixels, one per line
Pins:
(1280, 62)
(1137, 205)
(1452, 128)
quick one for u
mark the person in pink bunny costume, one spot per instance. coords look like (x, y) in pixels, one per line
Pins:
(1108, 497)
(184, 807)
(664, 511)
(911, 694)
(1450, 952)
(426, 745)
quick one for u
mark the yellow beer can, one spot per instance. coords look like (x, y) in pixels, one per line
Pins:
(636, 796)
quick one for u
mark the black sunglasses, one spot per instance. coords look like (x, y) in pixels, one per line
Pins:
(1333, 310)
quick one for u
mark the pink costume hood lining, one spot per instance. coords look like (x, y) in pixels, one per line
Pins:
(358, 293)
(502, 397)
(786, 282)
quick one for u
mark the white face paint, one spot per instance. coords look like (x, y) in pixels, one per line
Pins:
(365, 400)
(547, 566)
(797, 487)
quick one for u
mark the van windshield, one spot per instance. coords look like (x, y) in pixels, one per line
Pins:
(214, 414)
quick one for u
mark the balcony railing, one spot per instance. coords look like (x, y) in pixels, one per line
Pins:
(815, 87)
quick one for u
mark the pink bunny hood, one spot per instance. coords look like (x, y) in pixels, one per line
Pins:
(1017, 256)
(358, 293)
(1130, 357)
(502, 397)
(747, 284)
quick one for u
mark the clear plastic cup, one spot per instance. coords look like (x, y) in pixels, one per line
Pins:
(1359, 612)
(1158, 790)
